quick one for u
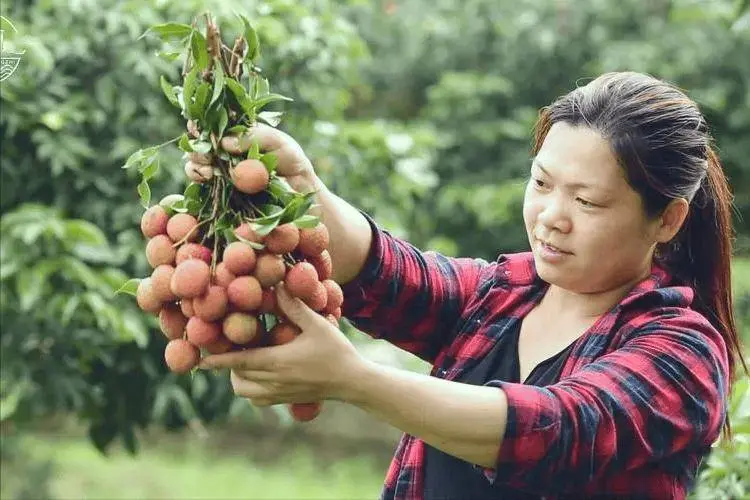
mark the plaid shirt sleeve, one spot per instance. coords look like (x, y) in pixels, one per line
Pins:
(412, 299)
(663, 391)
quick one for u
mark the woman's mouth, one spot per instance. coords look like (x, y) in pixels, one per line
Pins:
(551, 252)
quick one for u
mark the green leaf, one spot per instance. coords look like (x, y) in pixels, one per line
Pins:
(70, 308)
(243, 99)
(223, 121)
(265, 228)
(129, 287)
(237, 130)
(84, 231)
(9, 402)
(192, 191)
(197, 108)
(144, 191)
(168, 90)
(251, 37)
(169, 31)
(219, 82)
(253, 152)
(171, 200)
(152, 168)
(273, 118)
(168, 56)
(184, 143)
(201, 146)
(269, 99)
(189, 87)
(271, 161)
(131, 328)
(199, 50)
(307, 221)
(280, 191)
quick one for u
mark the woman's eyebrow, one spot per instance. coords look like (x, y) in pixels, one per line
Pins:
(574, 185)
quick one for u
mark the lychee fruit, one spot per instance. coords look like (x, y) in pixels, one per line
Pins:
(145, 297)
(245, 293)
(241, 328)
(269, 269)
(159, 250)
(246, 232)
(239, 258)
(190, 279)
(202, 333)
(221, 346)
(283, 333)
(160, 283)
(181, 356)
(172, 322)
(183, 226)
(302, 280)
(213, 305)
(250, 176)
(304, 412)
(284, 238)
(186, 306)
(335, 295)
(222, 276)
(268, 302)
(319, 298)
(337, 313)
(189, 251)
(323, 264)
(312, 241)
(154, 221)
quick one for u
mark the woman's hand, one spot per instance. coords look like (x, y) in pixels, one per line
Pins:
(293, 164)
(321, 363)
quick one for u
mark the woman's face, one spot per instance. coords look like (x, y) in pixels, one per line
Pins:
(586, 225)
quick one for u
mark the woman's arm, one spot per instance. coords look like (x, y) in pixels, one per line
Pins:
(466, 421)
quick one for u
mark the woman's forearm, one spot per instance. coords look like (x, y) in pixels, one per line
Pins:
(466, 421)
(349, 232)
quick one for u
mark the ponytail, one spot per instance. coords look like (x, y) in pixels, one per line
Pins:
(708, 242)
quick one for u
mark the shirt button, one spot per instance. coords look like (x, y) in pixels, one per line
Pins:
(442, 372)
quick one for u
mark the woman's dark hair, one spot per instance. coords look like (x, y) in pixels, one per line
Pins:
(661, 139)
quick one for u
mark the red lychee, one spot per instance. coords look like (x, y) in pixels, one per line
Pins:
(202, 333)
(245, 293)
(250, 176)
(269, 269)
(312, 241)
(222, 276)
(239, 258)
(190, 279)
(189, 251)
(323, 264)
(241, 328)
(183, 226)
(181, 356)
(304, 412)
(172, 322)
(246, 232)
(335, 295)
(302, 280)
(159, 250)
(160, 283)
(284, 238)
(154, 221)
(212, 305)
(145, 297)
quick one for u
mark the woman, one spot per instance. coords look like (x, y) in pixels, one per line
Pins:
(597, 364)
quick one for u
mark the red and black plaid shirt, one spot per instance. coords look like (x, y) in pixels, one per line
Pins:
(640, 400)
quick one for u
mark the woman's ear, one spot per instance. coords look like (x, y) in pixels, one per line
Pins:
(671, 219)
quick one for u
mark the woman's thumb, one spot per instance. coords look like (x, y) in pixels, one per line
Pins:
(295, 309)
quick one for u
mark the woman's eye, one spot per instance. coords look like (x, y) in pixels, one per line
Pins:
(539, 183)
(585, 203)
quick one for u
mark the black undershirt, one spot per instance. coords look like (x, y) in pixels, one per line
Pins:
(450, 478)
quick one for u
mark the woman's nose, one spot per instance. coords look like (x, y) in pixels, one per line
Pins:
(554, 216)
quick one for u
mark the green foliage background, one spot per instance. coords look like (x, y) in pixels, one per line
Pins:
(416, 111)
